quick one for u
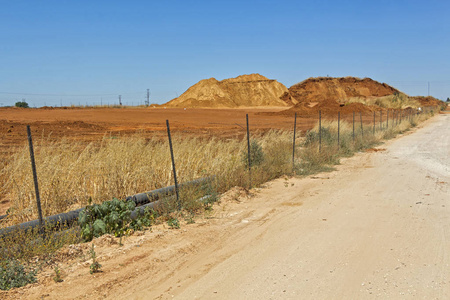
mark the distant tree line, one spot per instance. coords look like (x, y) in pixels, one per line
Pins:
(23, 104)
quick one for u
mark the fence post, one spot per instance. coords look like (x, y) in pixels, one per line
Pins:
(360, 119)
(353, 134)
(320, 130)
(339, 129)
(373, 122)
(381, 120)
(387, 120)
(248, 156)
(35, 179)
(173, 165)
(293, 142)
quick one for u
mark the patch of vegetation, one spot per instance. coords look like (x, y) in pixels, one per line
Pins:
(57, 278)
(173, 223)
(25, 244)
(95, 265)
(112, 217)
(22, 104)
(256, 155)
(13, 274)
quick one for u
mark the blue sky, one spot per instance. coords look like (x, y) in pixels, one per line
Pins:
(87, 52)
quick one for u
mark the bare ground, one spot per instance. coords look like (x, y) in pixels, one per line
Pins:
(378, 227)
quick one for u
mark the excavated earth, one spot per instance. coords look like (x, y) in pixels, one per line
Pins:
(330, 95)
(252, 90)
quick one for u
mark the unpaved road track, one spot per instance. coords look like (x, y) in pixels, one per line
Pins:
(378, 227)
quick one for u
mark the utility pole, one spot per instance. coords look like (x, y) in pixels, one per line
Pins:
(147, 103)
(120, 100)
(428, 88)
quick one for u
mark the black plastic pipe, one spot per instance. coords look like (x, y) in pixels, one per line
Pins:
(66, 219)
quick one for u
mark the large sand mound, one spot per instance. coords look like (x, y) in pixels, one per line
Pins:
(330, 95)
(243, 91)
(428, 101)
(329, 88)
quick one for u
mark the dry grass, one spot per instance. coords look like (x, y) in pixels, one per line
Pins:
(395, 101)
(71, 175)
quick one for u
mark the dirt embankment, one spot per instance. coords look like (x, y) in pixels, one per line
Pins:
(428, 101)
(330, 95)
(252, 90)
(329, 88)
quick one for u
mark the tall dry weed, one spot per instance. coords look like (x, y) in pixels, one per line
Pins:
(71, 175)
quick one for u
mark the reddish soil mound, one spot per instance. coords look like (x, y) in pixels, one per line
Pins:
(329, 88)
(243, 91)
(330, 95)
(428, 101)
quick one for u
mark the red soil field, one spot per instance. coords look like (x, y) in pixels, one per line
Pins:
(90, 124)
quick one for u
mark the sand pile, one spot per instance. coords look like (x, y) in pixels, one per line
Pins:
(331, 95)
(338, 89)
(243, 91)
(427, 101)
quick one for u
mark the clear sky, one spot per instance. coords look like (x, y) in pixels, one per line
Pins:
(87, 52)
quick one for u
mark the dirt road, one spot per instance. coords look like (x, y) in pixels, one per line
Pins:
(378, 227)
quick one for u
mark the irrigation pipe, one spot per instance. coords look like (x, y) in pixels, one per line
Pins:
(66, 219)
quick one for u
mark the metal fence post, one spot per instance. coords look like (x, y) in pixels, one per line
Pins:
(387, 120)
(293, 142)
(339, 129)
(353, 134)
(320, 130)
(35, 179)
(248, 156)
(381, 120)
(360, 119)
(374, 122)
(173, 166)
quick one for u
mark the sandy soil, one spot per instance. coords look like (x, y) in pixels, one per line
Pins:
(378, 227)
(93, 123)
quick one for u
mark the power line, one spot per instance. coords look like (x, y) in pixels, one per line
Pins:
(68, 95)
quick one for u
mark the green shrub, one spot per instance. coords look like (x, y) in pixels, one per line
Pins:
(22, 104)
(173, 223)
(13, 274)
(109, 217)
(95, 266)
(256, 155)
(313, 137)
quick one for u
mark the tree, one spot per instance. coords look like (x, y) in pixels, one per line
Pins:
(448, 99)
(23, 104)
